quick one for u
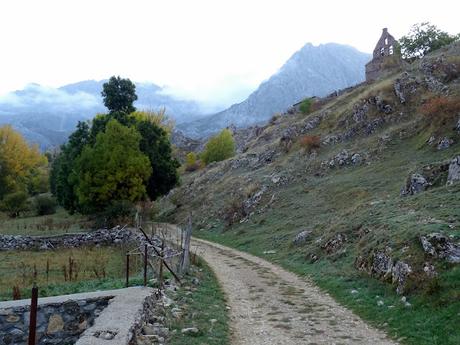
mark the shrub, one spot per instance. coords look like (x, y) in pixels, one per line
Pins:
(219, 147)
(310, 142)
(15, 203)
(44, 205)
(306, 106)
(191, 162)
(441, 109)
(234, 212)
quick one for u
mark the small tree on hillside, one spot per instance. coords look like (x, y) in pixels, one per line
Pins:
(119, 95)
(219, 147)
(423, 38)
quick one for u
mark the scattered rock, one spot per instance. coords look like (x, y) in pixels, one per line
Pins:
(301, 237)
(382, 265)
(454, 170)
(190, 330)
(441, 246)
(416, 183)
(380, 303)
(445, 143)
(335, 243)
(400, 272)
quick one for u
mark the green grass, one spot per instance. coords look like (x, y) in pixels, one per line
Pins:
(205, 303)
(93, 268)
(364, 204)
(55, 224)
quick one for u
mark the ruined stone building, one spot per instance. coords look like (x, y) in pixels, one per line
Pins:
(383, 56)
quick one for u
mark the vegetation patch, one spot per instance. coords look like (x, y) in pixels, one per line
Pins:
(204, 308)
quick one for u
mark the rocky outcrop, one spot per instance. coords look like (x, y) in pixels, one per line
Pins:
(415, 184)
(399, 274)
(454, 170)
(344, 158)
(334, 244)
(405, 87)
(440, 246)
(445, 143)
(102, 237)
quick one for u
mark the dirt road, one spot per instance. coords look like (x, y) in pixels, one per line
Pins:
(270, 306)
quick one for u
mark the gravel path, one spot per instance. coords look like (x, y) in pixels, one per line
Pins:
(271, 306)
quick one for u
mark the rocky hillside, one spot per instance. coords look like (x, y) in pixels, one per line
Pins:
(46, 116)
(363, 195)
(312, 71)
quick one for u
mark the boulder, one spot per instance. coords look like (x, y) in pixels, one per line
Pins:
(399, 273)
(334, 244)
(382, 265)
(441, 246)
(414, 185)
(445, 143)
(454, 170)
(301, 237)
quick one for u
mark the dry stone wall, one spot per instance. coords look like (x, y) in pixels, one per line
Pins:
(57, 323)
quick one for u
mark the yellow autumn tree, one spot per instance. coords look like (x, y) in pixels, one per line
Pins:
(158, 118)
(19, 162)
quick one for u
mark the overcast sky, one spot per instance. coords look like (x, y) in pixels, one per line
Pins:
(206, 50)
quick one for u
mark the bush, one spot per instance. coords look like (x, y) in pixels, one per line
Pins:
(306, 106)
(441, 109)
(44, 205)
(15, 203)
(191, 162)
(310, 142)
(219, 147)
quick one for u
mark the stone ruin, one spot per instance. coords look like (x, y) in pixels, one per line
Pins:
(384, 54)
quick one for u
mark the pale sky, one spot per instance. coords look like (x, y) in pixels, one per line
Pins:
(205, 50)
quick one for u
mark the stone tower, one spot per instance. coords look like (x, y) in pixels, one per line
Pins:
(384, 51)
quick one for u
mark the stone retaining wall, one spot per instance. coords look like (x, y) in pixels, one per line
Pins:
(103, 237)
(57, 323)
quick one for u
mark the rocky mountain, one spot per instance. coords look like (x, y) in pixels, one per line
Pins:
(46, 116)
(362, 196)
(311, 71)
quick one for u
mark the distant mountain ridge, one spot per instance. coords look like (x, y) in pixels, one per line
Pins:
(46, 116)
(311, 71)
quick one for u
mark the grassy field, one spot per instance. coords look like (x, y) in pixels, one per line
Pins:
(64, 270)
(201, 304)
(59, 223)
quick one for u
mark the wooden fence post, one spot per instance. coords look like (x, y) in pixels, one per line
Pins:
(185, 262)
(33, 316)
(145, 264)
(127, 270)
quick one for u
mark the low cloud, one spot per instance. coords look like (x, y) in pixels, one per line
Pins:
(34, 96)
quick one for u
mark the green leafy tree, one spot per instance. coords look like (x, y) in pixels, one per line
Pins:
(15, 203)
(113, 169)
(155, 145)
(423, 38)
(219, 147)
(119, 95)
(305, 106)
(63, 178)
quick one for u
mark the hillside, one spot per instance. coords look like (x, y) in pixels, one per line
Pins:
(46, 116)
(311, 71)
(372, 215)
